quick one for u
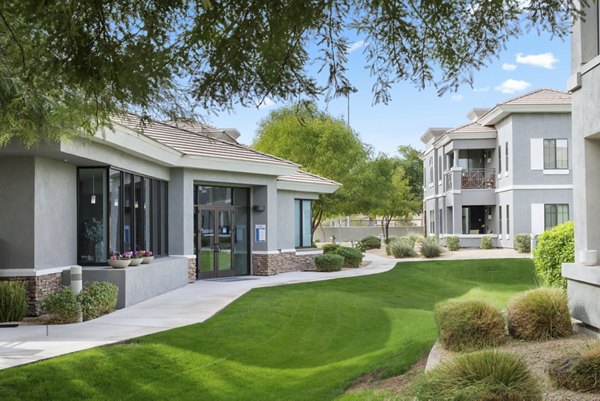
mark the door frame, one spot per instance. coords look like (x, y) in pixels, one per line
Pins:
(216, 243)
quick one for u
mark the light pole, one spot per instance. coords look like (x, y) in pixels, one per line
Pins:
(346, 91)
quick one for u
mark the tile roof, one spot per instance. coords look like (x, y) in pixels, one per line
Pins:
(195, 143)
(471, 128)
(306, 178)
(541, 96)
(201, 128)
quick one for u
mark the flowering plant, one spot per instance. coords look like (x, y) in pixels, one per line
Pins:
(118, 256)
(139, 254)
(143, 253)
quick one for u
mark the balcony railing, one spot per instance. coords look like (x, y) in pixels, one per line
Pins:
(478, 178)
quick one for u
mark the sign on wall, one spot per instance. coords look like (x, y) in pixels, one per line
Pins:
(260, 233)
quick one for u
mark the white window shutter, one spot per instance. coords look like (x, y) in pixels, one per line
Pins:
(537, 153)
(537, 218)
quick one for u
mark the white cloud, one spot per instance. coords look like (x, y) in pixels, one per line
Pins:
(512, 86)
(509, 67)
(355, 46)
(482, 89)
(457, 98)
(266, 103)
(544, 60)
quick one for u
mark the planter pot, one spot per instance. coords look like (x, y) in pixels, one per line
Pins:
(118, 264)
(148, 259)
(136, 261)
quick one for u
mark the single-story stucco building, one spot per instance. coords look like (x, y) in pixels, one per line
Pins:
(205, 205)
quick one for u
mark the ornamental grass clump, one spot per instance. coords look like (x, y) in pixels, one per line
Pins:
(523, 243)
(452, 243)
(467, 325)
(539, 314)
(486, 242)
(402, 248)
(13, 301)
(430, 247)
(580, 371)
(481, 376)
(352, 256)
(329, 262)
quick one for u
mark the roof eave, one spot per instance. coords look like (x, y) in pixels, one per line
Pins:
(321, 188)
(502, 111)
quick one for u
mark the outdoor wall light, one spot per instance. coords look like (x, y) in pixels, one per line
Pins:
(258, 208)
(93, 199)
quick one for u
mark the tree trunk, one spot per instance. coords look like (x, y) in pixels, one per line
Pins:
(317, 218)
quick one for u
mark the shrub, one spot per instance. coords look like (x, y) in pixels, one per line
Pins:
(486, 242)
(539, 314)
(371, 242)
(402, 248)
(483, 375)
(98, 299)
(390, 239)
(415, 238)
(523, 243)
(452, 243)
(430, 247)
(13, 301)
(62, 306)
(555, 247)
(330, 248)
(329, 262)
(579, 371)
(468, 325)
(352, 257)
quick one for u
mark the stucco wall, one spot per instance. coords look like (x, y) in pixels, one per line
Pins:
(286, 223)
(16, 212)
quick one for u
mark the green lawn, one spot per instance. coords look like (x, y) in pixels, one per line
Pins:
(296, 342)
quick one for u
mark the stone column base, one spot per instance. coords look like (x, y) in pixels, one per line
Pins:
(268, 264)
(37, 289)
(191, 270)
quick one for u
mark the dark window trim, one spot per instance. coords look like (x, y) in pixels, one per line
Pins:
(554, 147)
(301, 228)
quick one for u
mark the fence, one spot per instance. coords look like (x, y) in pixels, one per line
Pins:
(346, 234)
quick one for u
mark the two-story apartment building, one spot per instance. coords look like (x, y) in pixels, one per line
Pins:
(507, 171)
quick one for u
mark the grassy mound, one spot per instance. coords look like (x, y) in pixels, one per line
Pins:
(469, 325)
(578, 372)
(539, 314)
(483, 376)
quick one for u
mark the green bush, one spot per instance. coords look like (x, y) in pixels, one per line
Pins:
(555, 247)
(62, 306)
(329, 262)
(482, 375)
(579, 371)
(468, 325)
(352, 257)
(98, 299)
(402, 248)
(430, 247)
(391, 238)
(452, 243)
(486, 242)
(13, 301)
(330, 248)
(371, 242)
(523, 243)
(539, 314)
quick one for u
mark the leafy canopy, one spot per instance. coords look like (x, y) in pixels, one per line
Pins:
(66, 66)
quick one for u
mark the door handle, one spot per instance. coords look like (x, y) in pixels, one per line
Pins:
(217, 248)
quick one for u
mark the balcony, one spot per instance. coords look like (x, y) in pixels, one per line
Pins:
(478, 178)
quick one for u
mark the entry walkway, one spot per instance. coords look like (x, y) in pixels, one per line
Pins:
(191, 304)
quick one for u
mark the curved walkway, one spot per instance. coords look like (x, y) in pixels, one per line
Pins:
(191, 304)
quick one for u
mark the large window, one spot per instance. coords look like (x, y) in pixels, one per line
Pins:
(499, 159)
(303, 217)
(506, 156)
(507, 219)
(556, 154)
(499, 219)
(119, 212)
(555, 215)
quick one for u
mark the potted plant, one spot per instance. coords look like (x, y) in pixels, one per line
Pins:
(148, 257)
(136, 258)
(119, 261)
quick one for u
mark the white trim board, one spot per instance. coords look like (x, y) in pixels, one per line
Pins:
(32, 272)
(530, 187)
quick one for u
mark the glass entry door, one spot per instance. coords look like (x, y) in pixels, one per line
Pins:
(215, 231)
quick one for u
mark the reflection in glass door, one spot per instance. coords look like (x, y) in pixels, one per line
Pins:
(223, 248)
(206, 246)
(215, 247)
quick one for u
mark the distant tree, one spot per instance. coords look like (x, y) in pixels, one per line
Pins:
(66, 66)
(412, 164)
(323, 145)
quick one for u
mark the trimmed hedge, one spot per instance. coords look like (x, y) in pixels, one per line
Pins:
(430, 247)
(486, 242)
(98, 299)
(352, 256)
(539, 314)
(482, 375)
(555, 247)
(13, 301)
(468, 325)
(329, 262)
(330, 248)
(370, 242)
(453, 243)
(62, 306)
(523, 243)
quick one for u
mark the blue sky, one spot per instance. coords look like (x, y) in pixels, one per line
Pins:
(529, 62)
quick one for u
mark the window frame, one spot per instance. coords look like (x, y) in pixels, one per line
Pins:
(506, 157)
(554, 148)
(499, 159)
(556, 214)
(300, 228)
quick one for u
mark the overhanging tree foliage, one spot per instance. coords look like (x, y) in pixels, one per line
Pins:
(323, 145)
(65, 66)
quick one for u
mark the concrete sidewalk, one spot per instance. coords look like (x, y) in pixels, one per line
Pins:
(193, 303)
